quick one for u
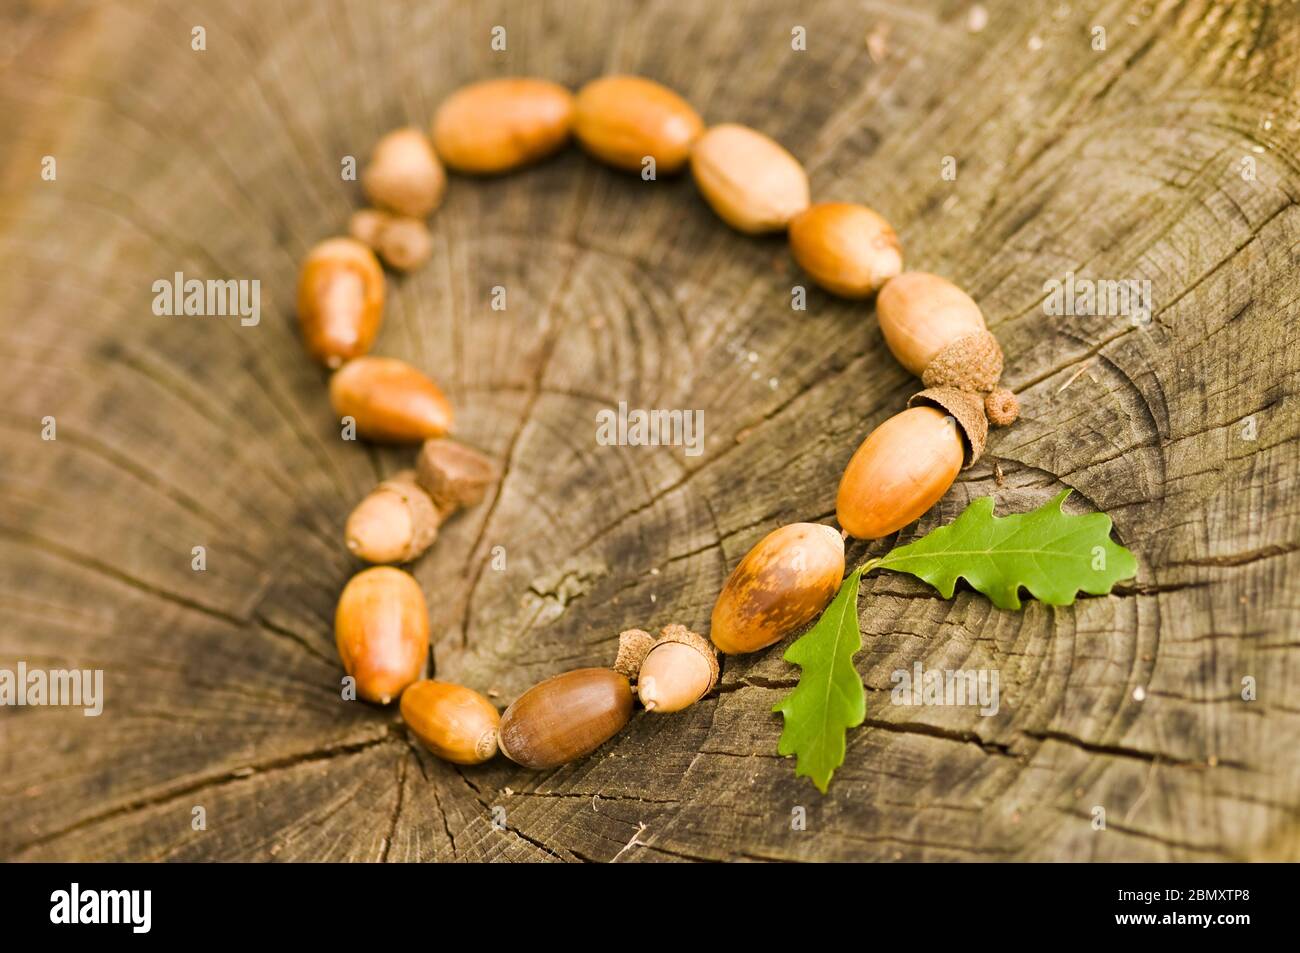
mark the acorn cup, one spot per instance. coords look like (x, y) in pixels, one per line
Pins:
(633, 646)
(455, 476)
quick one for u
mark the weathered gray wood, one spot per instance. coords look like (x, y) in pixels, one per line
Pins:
(222, 687)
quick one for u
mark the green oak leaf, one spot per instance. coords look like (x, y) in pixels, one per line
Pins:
(829, 698)
(1053, 555)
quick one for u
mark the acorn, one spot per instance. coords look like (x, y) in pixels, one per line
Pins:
(390, 400)
(455, 476)
(395, 523)
(908, 463)
(498, 125)
(565, 717)
(403, 243)
(847, 249)
(937, 332)
(624, 120)
(381, 628)
(454, 722)
(365, 224)
(340, 300)
(751, 181)
(404, 175)
(781, 585)
(679, 670)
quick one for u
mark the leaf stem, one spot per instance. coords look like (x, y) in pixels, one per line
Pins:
(869, 565)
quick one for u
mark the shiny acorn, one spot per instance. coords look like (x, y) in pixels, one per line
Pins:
(390, 400)
(499, 125)
(907, 463)
(455, 723)
(565, 717)
(782, 584)
(340, 300)
(623, 120)
(679, 669)
(847, 249)
(381, 629)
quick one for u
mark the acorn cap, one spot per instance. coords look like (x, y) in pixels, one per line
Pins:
(456, 476)
(1001, 407)
(966, 408)
(633, 646)
(683, 635)
(972, 362)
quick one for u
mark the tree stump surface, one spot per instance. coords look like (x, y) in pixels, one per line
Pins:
(1169, 156)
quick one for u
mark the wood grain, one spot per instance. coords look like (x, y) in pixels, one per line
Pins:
(222, 689)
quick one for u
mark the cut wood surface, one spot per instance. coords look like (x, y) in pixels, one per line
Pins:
(1168, 156)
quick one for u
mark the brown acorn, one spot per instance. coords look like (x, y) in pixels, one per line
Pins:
(340, 300)
(679, 670)
(390, 400)
(565, 717)
(395, 523)
(381, 628)
(454, 722)
(782, 584)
